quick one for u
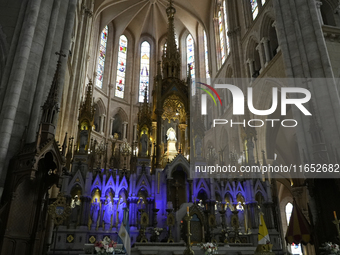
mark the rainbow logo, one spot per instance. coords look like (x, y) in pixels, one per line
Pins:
(209, 93)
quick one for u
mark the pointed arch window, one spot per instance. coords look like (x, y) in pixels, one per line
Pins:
(191, 58)
(206, 55)
(144, 70)
(254, 8)
(101, 58)
(221, 35)
(263, 2)
(226, 27)
(121, 66)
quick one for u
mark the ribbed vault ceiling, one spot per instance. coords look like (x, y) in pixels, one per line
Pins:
(149, 16)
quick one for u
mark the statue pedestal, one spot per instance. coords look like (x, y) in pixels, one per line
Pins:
(172, 152)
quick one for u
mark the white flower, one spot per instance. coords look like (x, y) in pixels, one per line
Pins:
(110, 250)
(97, 249)
(209, 250)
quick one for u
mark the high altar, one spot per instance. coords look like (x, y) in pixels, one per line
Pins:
(158, 187)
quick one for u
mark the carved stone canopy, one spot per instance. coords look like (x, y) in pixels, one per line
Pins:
(173, 109)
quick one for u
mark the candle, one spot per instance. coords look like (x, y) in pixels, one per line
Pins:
(335, 215)
(188, 210)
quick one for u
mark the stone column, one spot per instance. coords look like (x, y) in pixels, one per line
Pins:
(85, 212)
(41, 83)
(318, 9)
(265, 42)
(260, 50)
(268, 215)
(135, 132)
(190, 191)
(102, 123)
(16, 82)
(159, 138)
(250, 63)
(253, 217)
(182, 128)
(279, 47)
(124, 129)
(111, 126)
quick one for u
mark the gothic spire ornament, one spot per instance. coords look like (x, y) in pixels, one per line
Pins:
(51, 105)
(171, 56)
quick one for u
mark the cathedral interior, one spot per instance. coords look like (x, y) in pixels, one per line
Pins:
(101, 106)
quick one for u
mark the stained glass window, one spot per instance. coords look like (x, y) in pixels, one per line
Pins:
(101, 58)
(263, 2)
(144, 70)
(226, 27)
(121, 66)
(191, 59)
(254, 8)
(220, 27)
(207, 74)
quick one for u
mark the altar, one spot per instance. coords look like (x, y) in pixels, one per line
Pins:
(178, 249)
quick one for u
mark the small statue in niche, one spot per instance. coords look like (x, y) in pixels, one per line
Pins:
(240, 209)
(144, 141)
(108, 212)
(83, 139)
(75, 205)
(121, 205)
(171, 135)
(94, 211)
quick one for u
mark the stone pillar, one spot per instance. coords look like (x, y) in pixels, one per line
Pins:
(135, 132)
(253, 217)
(268, 215)
(182, 128)
(190, 192)
(279, 47)
(41, 83)
(102, 206)
(124, 130)
(16, 82)
(265, 42)
(250, 63)
(85, 212)
(102, 121)
(318, 9)
(111, 126)
(115, 216)
(159, 138)
(260, 50)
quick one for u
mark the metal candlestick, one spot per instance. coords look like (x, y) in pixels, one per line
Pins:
(155, 211)
(336, 222)
(170, 221)
(188, 250)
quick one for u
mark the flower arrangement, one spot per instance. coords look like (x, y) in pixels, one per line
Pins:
(209, 248)
(105, 247)
(157, 231)
(331, 248)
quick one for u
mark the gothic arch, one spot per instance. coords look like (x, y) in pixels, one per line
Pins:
(121, 113)
(152, 62)
(327, 12)
(253, 55)
(268, 31)
(181, 161)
